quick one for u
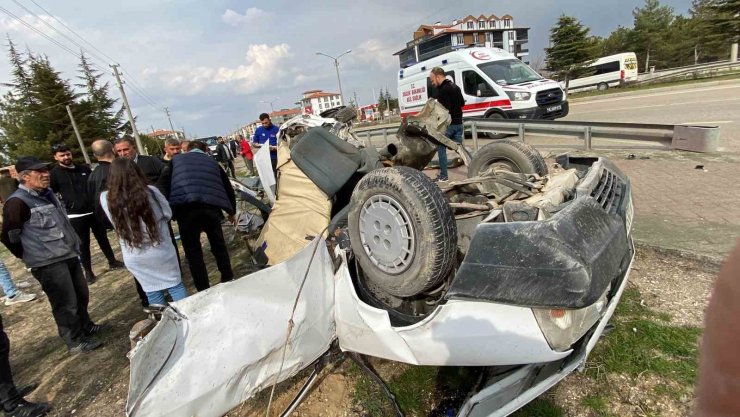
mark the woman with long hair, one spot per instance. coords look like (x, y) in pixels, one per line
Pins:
(139, 213)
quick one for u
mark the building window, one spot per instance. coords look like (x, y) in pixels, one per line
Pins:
(507, 23)
(471, 25)
(475, 38)
(458, 39)
(489, 37)
(481, 24)
(491, 24)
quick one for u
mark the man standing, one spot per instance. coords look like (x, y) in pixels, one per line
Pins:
(97, 183)
(198, 190)
(11, 398)
(267, 134)
(248, 156)
(8, 185)
(448, 95)
(36, 229)
(171, 148)
(152, 167)
(70, 181)
(225, 156)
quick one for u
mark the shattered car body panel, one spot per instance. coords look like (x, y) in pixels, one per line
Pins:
(541, 266)
(217, 348)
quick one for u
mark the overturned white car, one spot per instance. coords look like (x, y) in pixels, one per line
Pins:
(514, 268)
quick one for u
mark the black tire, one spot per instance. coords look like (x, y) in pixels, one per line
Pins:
(510, 155)
(496, 116)
(402, 231)
(602, 86)
(346, 114)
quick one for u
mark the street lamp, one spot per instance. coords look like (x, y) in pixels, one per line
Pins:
(336, 66)
(273, 101)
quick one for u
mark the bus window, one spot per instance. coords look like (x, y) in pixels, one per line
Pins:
(432, 90)
(606, 68)
(474, 85)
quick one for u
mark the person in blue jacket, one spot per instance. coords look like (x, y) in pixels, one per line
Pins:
(267, 134)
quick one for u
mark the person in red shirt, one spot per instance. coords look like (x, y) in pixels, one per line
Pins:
(248, 156)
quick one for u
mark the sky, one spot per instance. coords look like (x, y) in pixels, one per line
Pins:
(218, 64)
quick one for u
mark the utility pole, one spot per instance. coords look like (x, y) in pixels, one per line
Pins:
(167, 112)
(336, 66)
(139, 145)
(183, 132)
(79, 138)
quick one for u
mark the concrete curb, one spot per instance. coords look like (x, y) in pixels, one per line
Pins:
(698, 84)
(713, 261)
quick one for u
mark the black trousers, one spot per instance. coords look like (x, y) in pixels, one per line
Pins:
(82, 226)
(192, 222)
(66, 288)
(9, 395)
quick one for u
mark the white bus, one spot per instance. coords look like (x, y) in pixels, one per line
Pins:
(609, 71)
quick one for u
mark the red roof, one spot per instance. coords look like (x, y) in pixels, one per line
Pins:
(311, 91)
(321, 94)
(285, 112)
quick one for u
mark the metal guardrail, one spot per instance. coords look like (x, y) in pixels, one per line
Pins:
(679, 137)
(720, 66)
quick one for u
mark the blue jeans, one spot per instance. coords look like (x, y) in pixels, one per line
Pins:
(6, 283)
(454, 132)
(178, 292)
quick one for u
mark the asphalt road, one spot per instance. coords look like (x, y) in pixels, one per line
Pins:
(700, 103)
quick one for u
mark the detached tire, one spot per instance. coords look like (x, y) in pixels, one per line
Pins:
(346, 114)
(509, 155)
(402, 231)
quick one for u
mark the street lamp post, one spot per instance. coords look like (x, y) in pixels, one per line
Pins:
(272, 109)
(336, 66)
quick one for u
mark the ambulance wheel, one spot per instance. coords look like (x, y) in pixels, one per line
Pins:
(496, 116)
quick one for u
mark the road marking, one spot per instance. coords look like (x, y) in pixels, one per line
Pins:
(720, 122)
(667, 93)
(659, 105)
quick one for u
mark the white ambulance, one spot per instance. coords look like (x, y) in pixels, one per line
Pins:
(494, 83)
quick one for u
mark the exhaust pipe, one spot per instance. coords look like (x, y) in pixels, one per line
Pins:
(389, 151)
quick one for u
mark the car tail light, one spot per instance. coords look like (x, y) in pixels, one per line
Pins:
(621, 74)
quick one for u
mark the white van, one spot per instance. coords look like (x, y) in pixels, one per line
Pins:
(494, 83)
(609, 71)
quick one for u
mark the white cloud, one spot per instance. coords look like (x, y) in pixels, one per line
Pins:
(265, 66)
(250, 16)
(9, 24)
(376, 52)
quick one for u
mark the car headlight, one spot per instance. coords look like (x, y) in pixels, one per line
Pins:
(518, 95)
(563, 327)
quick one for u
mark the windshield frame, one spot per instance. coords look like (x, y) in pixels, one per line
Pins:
(514, 81)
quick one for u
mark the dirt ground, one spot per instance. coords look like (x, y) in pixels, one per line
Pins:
(96, 384)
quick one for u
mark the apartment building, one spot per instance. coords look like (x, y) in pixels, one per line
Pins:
(488, 31)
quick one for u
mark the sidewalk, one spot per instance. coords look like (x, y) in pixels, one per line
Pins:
(676, 205)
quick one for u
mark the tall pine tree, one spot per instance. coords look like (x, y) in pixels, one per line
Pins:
(651, 27)
(571, 50)
(98, 118)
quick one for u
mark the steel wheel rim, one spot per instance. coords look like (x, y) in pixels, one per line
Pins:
(387, 234)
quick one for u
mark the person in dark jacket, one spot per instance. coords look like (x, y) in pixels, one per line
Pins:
(199, 191)
(36, 230)
(97, 183)
(450, 96)
(152, 167)
(225, 156)
(8, 185)
(11, 397)
(69, 180)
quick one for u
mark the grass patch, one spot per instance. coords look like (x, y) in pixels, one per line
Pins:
(414, 388)
(592, 93)
(540, 407)
(598, 404)
(643, 341)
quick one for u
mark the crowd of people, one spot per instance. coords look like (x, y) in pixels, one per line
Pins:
(50, 209)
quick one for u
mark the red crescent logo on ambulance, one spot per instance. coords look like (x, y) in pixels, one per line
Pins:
(480, 55)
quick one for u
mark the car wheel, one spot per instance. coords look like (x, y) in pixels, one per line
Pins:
(345, 114)
(402, 231)
(496, 116)
(602, 87)
(507, 155)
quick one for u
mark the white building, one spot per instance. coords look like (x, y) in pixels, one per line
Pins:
(317, 101)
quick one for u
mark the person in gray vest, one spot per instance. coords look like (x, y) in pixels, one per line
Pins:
(36, 229)
(198, 190)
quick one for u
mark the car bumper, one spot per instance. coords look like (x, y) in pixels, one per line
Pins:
(509, 392)
(541, 112)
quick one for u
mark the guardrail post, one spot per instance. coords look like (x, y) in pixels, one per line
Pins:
(385, 136)
(367, 139)
(521, 132)
(587, 138)
(474, 132)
